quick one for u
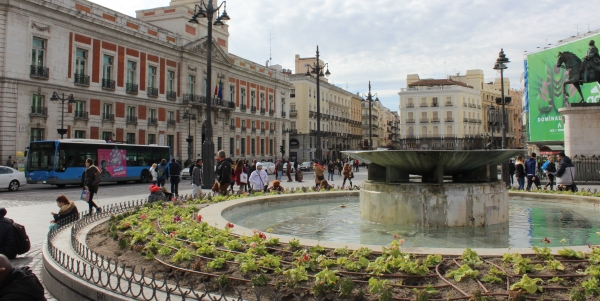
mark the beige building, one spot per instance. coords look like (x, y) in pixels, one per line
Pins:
(340, 116)
(133, 79)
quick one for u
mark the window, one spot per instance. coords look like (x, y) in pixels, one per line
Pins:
(434, 103)
(262, 125)
(171, 141)
(293, 125)
(410, 103)
(107, 108)
(252, 98)
(107, 136)
(271, 146)
(231, 147)
(171, 115)
(37, 104)
(151, 77)
(243, 95)
(130, 138)
(38, 52)
(271, 103)
(79, 134)
(253, 123)
(219, 143)
(152, 113)
(131, 66)
(262, 147)
(262, 100)
(80, 109)
(293, 93)
(36, 134)
(80, 61)
(231, 93)
(191, 84)
(151, 138)
(252, 146)
(243, 146)
(232, 122)
(130, 113)
(107, 67)
(170, 81)
(107, 112)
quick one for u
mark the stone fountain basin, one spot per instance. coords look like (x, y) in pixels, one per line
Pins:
(419, 162)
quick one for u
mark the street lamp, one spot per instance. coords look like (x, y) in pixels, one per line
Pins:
(492, 118)
(190, 139)
(370, 99)
(207, 10)
(70, 99)
(317, 70)
(501, 65)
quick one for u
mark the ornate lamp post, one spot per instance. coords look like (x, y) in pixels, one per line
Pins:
(70, 99)
(370, 99)
(187, 115)
(207, 10)
(317, 70)
(492, 114)
(501, 65)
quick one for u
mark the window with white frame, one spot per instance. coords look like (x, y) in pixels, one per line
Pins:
(107, 67)
(231, 93)
(38, 52)
(170, 81)
(191, 84)
(131, 66)
(152, 70)
(80, 61)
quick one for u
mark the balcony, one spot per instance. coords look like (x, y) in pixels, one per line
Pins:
(283, 114)
(232, 127)
(188, 98)
(449, 104)
(252, 109)
(243, 107)
(449, 119)
(39, 111)
(424, 120)
(152, 92)
(411, 120)
(262, 111)
(293, 131)
(423, 105)
(271, 131)
(171, 122)
(435, 120)
(253, 130)
(80, 115)
(434, 104)
(131, 119)
(243, 129)
(39, 72)
(410, 105)
(108, 84)
(152, 121)
(81, 80)
(311, 114)
(465, 119)
(271, 112)
(230, 105)
(171, 95)
(106, 117)
(133, 89)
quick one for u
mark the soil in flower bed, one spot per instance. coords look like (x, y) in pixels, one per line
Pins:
(173, 247)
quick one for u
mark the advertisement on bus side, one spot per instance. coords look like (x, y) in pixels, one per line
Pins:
(113, 162)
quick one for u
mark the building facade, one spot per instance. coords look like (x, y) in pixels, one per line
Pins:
(134, 80)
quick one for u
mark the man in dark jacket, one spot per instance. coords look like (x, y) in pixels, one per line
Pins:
(174, 173)
(18, 284)
(511, 171)
(330, 171)
(278, 170)
(565, 173)
(223, 172)
(7, 236)
(531, 168)
(161, 173)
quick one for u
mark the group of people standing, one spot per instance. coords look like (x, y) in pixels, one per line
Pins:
(344, 170)
(564, 173)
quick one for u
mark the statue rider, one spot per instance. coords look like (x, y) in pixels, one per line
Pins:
(590, 60)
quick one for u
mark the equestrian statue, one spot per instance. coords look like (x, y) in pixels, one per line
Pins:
(579, 72)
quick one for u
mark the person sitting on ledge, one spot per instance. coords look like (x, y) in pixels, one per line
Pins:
(156, 194)
(18, 284)
(169, 196)
(277, 186)
(68, 211)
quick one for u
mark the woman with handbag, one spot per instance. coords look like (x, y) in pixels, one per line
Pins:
(241, 177)
(259, 180)
(319, 170)
(92, 182)
(348, 174)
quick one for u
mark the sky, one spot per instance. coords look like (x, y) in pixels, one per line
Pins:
(383, 41)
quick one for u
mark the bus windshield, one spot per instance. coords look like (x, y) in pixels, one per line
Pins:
(41, 156)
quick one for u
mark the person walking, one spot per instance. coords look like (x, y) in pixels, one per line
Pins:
(223, 173)
(356, 164)
(92, 183)
(531, 167)
(340, 166)
(174, 176)
(161, 173)
(520, 172)
(259, 180)
(511, 171)
(550, 169)
(241, 176)
(330, 171)
(565, 173)
(197, 179)
(279, 169)
(288, 171)
(153, 173)
(319, 176)
(296, 170)
(348, 174)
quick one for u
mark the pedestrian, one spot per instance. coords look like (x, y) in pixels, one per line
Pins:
(330, 171)
(288, 171)
(223, 173)
(296, 170)
(197, 179)
(191, 170)
(161, 173)
(299, 175)
(153, 173)
(156, 195)
(19, 283)
(340, 167)
(550, 169)
(67, 213)
(511, 171)
(319, 176)
(233, 175)
(92, 183)
(259, 180)
(348, 174)
(174, 176)
(9, 162)
(356, 164)
(279, 170)
(520, 172)
(241, 176)
(565, 173)
(8, 240)
(531, 167)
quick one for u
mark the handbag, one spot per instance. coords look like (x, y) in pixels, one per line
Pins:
(351, 175)
(243, 178)
(85, 195)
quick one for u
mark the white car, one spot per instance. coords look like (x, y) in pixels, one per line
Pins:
(11, 178)
(185, 173)
(269, 167)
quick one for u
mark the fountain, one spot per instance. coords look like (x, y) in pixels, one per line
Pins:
(457, 188)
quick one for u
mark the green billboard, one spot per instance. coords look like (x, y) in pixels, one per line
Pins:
(545, 90)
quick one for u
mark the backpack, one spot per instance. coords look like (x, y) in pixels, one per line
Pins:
(160, 170)
(97, 179)
(22, 243)
(530, 166)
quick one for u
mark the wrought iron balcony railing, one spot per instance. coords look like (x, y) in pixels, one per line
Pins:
(243, 107)
(39, 111)
(262, 111)
(171, 95)
(39, 72)
(108, 84)
(293, 113)
(152, 92)
(131, 119)
(81, 79)
(132, 88)
(152, 121)
(253, 109)
(81, 115)
(171, 122)
(108, 117)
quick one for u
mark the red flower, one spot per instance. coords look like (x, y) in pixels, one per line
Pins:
(177, 219)
(305, 257)
(262, 235)
(545, 240)
(229, 225)
(199, 218)
(173, 234)
(143, 216)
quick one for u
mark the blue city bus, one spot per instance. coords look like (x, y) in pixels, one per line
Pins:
(62, 162)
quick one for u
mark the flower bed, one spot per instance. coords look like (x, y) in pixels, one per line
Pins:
(174, 237)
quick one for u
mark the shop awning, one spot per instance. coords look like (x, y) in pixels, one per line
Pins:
(551, 149)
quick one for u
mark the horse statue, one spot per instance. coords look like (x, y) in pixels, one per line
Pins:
(573, 65)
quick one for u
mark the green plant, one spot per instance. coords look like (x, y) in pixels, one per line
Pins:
(165, 251)
(556, 280)
(432, 259)
(216, 264)
(496, 272)
(491, 279)
(510, 257)
(317, 249)
(124, 243)
(325, 281)
(272, 242)
(471, 258)
(462, 272)
(346, 287)
(325, 262)
(577, 294)
(571, 253)
(554, 265)
(260, 280)
(379, 266)
(591, 286)
(234, 245)
(294, 276)
(222, 280)
(182, 254)
(593, 271)
(523, 265)
(269, 261)
(380, 288)
(421, 295)
(543, 253)
(342, 251)
(527, 284)
(248, 266)
(294, 243)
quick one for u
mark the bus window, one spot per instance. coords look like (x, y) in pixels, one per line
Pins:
(41, 156)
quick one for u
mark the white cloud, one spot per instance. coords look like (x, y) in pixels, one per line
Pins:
(384, 40)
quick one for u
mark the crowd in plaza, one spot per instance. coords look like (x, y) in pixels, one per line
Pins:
(531, 170)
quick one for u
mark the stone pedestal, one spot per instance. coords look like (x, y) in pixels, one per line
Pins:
(434, 205)
(582, 122)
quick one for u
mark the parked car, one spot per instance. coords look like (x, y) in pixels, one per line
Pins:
(185, 173)
(11, 178)
(306, 166)
(269, 167)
